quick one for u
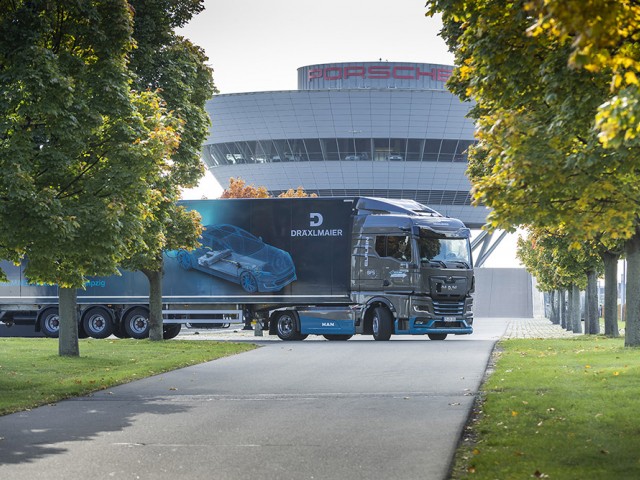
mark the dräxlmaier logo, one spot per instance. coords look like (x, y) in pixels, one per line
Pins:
(316, 220)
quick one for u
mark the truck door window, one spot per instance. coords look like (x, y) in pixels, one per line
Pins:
(394, 246)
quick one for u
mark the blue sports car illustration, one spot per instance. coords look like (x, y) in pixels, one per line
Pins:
(233, 254)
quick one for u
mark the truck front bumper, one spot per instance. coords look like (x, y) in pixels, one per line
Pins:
(423, 326)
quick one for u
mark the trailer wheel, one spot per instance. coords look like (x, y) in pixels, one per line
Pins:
(97, 322)
(171, 331)
(136, 323)
(286, 327)
(50, 322)
(437, 336)
(382, 324)
(248, 282)
(336, 337)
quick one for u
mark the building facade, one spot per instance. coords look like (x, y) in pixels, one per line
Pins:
(386, 129)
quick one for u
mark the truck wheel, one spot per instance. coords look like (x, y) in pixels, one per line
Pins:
(248, 282)
(50, 322)
(97, 322)
(286, 327)
(437, 336)
(382, 323)
(171, 331)
(337, 337)
(136, 323)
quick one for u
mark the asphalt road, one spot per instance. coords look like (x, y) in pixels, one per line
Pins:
(289, 410)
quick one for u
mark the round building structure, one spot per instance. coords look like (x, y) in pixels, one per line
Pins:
(384, 129)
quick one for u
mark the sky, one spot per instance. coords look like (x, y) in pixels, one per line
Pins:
(255, 46)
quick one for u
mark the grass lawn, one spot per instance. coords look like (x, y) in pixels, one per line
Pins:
(558, 409)
(32, 373)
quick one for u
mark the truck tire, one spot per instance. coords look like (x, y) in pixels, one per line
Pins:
(335, 337)
(437, 336)
(136, 323)
(49, 320)
(286, 327)
(171, 331)
(119, 331)
(382, 323)
(97, 322)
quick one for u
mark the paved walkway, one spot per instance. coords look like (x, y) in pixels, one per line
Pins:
(535, 328)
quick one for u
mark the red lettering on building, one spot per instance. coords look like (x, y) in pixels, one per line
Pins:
(329, 75)
(431, 74)
(444, 74)
(379, 72)
(316, 73)
(354, 72)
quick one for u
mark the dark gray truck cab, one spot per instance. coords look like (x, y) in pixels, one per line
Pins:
(414, 262)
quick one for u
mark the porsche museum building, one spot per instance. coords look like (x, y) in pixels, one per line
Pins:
(384, 129)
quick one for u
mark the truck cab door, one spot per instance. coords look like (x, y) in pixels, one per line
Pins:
(394, 252)
(385, 265)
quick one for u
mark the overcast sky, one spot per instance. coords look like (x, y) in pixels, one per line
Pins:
(258, 45)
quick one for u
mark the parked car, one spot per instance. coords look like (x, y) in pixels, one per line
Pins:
(231, 253)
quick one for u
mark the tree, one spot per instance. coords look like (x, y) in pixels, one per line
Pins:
(299, 193)
(176, 70)
(238, 188)
(542, 158)
(559, 264)
(75, 143)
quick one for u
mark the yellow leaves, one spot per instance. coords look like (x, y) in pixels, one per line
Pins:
(630, 78)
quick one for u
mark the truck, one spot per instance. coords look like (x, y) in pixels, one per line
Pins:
(330, 266)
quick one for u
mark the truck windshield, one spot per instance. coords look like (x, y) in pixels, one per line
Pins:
(445, 251)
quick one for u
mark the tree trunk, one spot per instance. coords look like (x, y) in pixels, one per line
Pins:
(574, 313)
(553, 307)
(610, 261)
(68, 345)
(155, 304)
(563, 309)
(632, 328)
(592, 314)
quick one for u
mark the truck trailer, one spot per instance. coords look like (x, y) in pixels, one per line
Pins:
(331, 266)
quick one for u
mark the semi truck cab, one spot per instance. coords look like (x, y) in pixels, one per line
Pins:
(415, 265)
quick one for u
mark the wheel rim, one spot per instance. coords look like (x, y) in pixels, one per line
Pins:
(184, 259)
(376, 324)
(97, 323)
(248, 282)
(285, 325)
(52, 322)
(138, 324)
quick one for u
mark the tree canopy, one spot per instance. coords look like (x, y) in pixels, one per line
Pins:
(554, 148)
(78, 145)
(80, 148)
(176, 71)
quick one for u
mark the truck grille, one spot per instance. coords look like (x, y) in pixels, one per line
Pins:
(448, 308)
